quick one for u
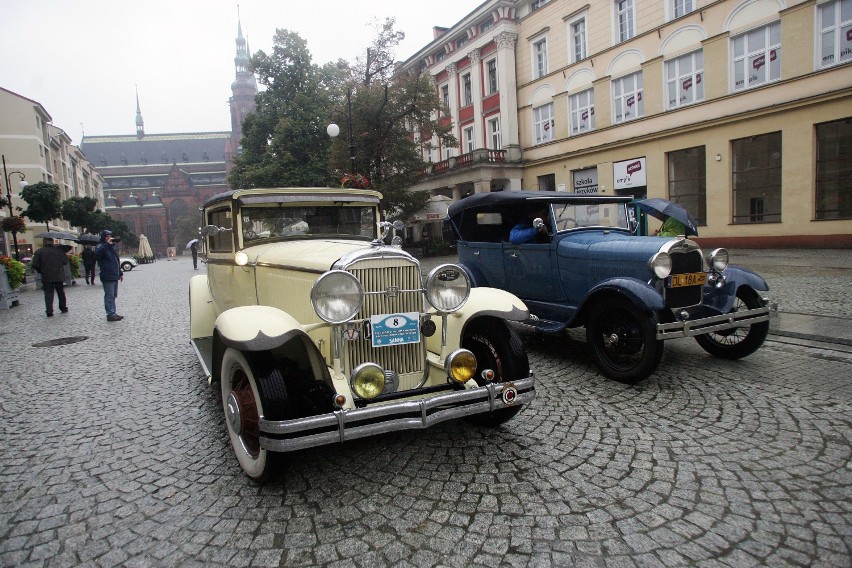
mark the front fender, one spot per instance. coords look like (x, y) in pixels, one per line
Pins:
(482, 302)
(257, 328)
(721, 299)
(640, 293)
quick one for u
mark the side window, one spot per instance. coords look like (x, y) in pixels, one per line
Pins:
(223, 241)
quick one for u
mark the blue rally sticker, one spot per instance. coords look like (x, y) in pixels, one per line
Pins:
(395, 329)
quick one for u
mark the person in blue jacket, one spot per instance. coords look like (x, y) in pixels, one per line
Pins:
(111, 274)
(525, 232)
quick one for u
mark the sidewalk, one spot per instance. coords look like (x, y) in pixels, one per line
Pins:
(811, 287)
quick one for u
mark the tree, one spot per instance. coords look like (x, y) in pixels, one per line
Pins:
(385, 108)
(43, 202)
(78, 211)
(284, 140)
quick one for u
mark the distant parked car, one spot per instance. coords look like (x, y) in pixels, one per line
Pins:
(317, 331)
(589, 268)
(128, 263)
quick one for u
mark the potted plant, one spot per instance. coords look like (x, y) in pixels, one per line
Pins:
(11, 278)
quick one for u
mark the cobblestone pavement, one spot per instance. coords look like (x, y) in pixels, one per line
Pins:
(114, 453)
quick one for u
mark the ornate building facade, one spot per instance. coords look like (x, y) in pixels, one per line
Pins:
(156, 182)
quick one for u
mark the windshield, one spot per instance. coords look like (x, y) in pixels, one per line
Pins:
(276, 222)
(570, 216)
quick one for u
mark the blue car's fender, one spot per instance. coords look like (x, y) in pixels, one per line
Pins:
(477, 279)
(643, 295)
(721, 299)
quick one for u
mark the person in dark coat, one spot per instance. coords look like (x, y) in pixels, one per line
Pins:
(194, 248)
(108, 262)
(89, 264)
(50, 262)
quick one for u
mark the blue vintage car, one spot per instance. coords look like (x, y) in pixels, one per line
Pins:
(583, 265)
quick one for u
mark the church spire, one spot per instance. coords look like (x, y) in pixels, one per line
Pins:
(140, 124)
(243, 91)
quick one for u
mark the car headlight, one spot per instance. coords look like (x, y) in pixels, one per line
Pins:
(661, 264)
(460, 365)
(241, 258)
(447, 288)
(718, 260)
(367, 380)
(337, 296)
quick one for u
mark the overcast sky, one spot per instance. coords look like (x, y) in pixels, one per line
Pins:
(83, 59)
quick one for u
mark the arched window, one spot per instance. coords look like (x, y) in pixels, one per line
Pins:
(153, 231)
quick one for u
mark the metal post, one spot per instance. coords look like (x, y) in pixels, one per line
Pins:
(349, 122)
(9, 202)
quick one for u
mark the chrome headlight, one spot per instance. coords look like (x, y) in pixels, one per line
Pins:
(460, 365)
(241, 258)
(337, 296)
(718, 260)
(660, 264)
(447, 288)
(367, 380)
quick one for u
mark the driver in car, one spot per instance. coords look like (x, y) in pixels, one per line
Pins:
(526, 232)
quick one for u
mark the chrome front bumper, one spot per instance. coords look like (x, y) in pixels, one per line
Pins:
(343, 425)
(691, 328)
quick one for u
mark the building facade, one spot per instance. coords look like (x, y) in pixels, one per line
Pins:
(740, 110)
(37, 151)
(155, 183)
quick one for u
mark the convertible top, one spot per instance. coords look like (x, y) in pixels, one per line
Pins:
(295, 194)
(497, 198)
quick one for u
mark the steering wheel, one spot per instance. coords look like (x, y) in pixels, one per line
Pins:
(250, 234)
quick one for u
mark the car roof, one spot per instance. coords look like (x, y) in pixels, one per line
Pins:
(277, 194)
(512, 197)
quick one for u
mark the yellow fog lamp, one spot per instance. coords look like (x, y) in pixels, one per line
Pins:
(367, 381)
(460, 366)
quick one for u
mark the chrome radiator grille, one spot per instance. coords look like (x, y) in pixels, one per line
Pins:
(391, 286)
(684, 263)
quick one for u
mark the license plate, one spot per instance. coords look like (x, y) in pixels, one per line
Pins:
(689, 279)
(395, 329)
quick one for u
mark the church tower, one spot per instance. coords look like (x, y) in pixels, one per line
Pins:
(243, 89)
(140, 124)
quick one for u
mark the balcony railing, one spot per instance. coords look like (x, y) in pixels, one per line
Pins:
(465, 160)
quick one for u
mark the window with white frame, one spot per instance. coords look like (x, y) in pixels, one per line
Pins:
(835, 32)
(467, 90)
(683, 7)
(627, 97)
(757, 57)
(468, 139)
(582, 109)
(577, 39)
(491, 76)
(536, 4)
(625, 19)
(543, 123)
(684, 80)
(539, 53)
(494, 134)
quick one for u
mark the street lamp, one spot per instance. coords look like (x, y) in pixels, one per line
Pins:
(333, 130)
(23, 183)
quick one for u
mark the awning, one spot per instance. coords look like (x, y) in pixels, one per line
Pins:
(434, 211)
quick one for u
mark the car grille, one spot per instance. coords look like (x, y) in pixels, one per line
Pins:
(391, 285)
(684, 262)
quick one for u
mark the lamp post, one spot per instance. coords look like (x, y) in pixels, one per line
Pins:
(23, 183)
(333, 130)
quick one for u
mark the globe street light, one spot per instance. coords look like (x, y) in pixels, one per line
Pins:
(333, 130)
(23, 183)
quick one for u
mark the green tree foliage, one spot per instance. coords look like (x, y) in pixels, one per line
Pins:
(78, 211)
(184, 229)
(284, 140)
(43, 202)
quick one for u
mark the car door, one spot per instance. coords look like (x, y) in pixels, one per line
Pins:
(530, 271)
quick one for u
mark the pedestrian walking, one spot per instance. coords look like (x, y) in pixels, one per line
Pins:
(49, 261)
(194, 248)
(111, 274)
(89, 263)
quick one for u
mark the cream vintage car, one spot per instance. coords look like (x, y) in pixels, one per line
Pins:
(319, 332)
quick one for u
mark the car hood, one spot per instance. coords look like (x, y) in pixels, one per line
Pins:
(314, 255)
